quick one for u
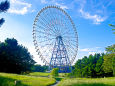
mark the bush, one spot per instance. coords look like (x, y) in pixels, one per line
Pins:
(54, 72)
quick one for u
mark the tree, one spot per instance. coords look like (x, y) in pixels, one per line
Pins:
(113, 65)
(113, 26)
(4, 6)
(99, 67)
(14, 58)
(107, 65)
(55, 72)
(110, 49)
(39, 68)
(90, 66)
(109, 60)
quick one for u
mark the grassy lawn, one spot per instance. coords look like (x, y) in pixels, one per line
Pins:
(9, 79)
(63, 74)
(88, 82)
(41, 79)
(41, 74)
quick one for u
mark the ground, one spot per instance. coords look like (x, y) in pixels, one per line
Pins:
(45, 79)
(24, 80)
(88, 82)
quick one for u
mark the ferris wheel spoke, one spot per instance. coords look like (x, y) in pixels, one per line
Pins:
(53, 18)
(44, 51)
(50, 19)
(44, 33)
(69, 42)
(67, 32)
(64, 25)
(46, 40)
(56, 21)
(67, 28)
(70, 48)
(45, 30)
(70, 54)
(47, 25)
(41, 23)
(69, 37)
(46, 17)
(46, 14)
(70, 45)
(48, 44)
(42, 28)
(42, 36)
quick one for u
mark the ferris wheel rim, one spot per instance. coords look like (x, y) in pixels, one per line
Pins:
(34, 33)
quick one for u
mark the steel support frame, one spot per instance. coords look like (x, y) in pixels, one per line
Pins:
(60, 57)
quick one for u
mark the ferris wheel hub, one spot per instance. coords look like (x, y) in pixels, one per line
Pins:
(59, 37)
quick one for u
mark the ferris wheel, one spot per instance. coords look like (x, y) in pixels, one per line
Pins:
(55, 37)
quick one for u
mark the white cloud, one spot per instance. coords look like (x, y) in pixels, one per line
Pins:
(61, 6)
(91, 50)
(92, 53)
(85, 49)
(44, 2)
(19, 7)
(88, 51)
(97, 19)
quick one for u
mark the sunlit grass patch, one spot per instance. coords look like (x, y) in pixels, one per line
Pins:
(9, 80)
(88, 82)
(39, 74)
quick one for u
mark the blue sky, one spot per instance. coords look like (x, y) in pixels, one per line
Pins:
(91, 18)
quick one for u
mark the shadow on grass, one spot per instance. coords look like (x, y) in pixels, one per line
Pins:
(91, 84)
(58, 79)
(4, 81)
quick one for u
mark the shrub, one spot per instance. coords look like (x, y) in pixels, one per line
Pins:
(54, 72)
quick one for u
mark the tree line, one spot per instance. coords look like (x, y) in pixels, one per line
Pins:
(14, 58)
(98, 65)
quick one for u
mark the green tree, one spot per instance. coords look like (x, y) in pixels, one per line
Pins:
(39, 68)
(113, 26)
(90, 66)
(99, 67)
(55, 72)
(113, 64)
(14, 58)
(107, 65)
(4, 6)
(110, 49)
(109, 60)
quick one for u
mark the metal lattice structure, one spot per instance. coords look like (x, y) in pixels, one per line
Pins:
(59, 57)
(55, 38)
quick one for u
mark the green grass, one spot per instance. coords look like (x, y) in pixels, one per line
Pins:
(88, 82)
(39, 74)
(41, 79)
(63, 74)
(9, 79)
